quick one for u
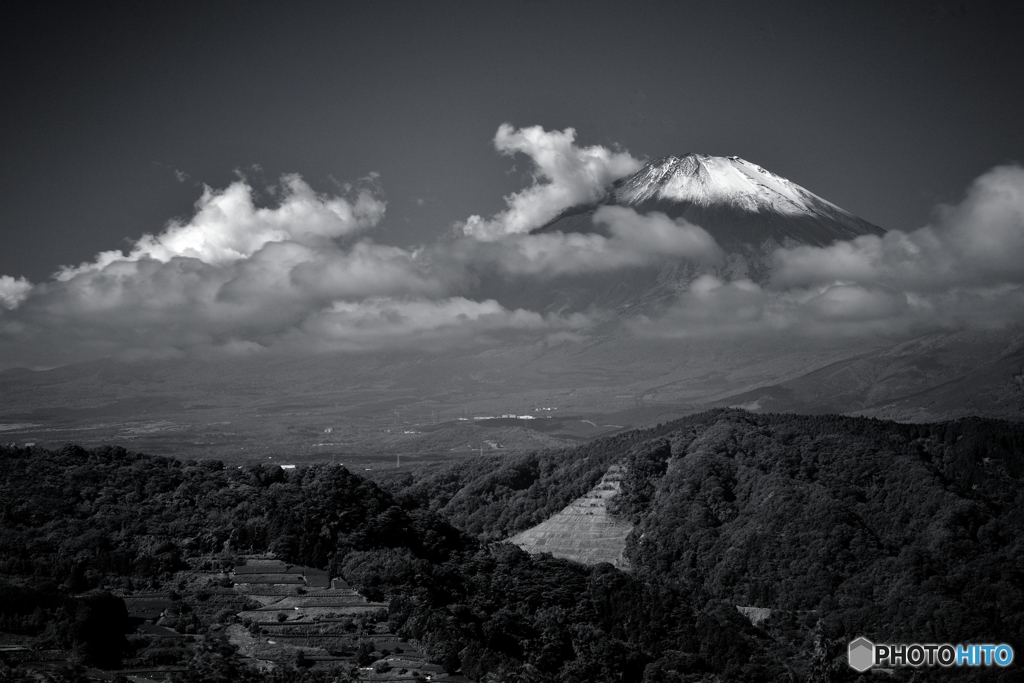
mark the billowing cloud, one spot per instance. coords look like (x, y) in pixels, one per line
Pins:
(564, 176)
(656, 236)
(13, 291)
(304, 274)
(228, 227)
(633, 240)
(979, 242)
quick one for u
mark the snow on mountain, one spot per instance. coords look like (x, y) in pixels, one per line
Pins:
(740, 203)
(709, 180)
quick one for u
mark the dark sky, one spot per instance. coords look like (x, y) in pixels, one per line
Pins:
(883, 108)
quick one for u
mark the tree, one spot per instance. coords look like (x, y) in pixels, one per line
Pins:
(364, 653)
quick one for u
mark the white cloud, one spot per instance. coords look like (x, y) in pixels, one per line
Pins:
(240, 279)
(304, 275)
(13, 291)
(363, 269)
(979, 242)
(227, 225)
(655, 236)
(633, 240)
(564, 176)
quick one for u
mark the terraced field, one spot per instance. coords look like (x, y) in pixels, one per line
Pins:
(584, 531)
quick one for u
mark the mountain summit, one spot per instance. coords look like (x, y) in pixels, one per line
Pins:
(740, 203)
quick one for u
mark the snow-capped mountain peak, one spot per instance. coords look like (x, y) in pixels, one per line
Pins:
(739, 203)
(708, 181)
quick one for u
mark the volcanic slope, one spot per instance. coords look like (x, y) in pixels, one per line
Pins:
(941, 375)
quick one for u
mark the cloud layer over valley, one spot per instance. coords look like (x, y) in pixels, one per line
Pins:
(306, 274)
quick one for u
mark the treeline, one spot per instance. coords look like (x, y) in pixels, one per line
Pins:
(83, 518)
(484, 610)
(504, 615)
(80, 522)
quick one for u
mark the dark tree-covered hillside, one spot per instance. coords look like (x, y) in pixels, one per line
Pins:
(840, 526)
(495, 496)
(81, 518)
(902, 533)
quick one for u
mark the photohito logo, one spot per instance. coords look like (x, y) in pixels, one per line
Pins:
(863, 654)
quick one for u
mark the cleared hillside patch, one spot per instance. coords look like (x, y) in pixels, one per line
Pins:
(585, 531)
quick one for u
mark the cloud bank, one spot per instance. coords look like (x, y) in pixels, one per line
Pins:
(305, 275)
(228, 227)
(236, 278)
(977, 243)
(388, 323)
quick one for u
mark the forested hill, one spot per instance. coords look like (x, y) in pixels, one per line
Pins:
(496, 496)
(897, 531)
(111, 517)
(75, 523)
(904, 533)
(840, 526)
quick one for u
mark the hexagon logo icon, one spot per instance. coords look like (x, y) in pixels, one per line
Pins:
(862, 654)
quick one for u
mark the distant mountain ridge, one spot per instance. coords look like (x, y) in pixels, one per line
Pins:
(941, 375)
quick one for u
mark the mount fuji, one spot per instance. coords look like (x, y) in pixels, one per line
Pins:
(749, 211)
(741, 204)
